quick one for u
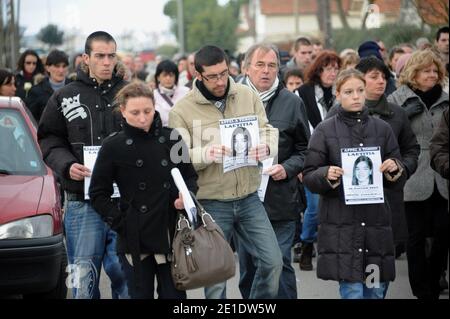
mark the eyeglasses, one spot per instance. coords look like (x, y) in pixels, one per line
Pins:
(30, 63)
(330, 69)
(215, 77)
(262, 65)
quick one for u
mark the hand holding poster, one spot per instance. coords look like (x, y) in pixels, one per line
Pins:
(240, 135)
(362, 179)
(90, 156)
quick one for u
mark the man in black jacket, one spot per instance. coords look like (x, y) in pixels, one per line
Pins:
(78, 115)
(286, 112)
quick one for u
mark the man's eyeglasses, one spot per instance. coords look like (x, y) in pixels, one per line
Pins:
(215, 77)
(30, 63)
(262, 65)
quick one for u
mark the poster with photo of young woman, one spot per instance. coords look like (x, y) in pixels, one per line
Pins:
(362, 179)
(240, 135)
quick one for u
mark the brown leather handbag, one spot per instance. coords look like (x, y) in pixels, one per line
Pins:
(202, 257)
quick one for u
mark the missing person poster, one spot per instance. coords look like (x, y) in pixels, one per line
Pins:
(90, 154)
(362, 180)
(240, 135)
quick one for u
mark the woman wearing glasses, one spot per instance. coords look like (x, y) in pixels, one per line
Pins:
(28, 66)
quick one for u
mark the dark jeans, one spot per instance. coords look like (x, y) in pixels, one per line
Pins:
(285, 231)
(427, 246)
(166, 288)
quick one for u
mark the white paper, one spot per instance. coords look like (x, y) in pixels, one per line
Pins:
(267, 163)
(240, 135)
(90, 154)
(362, 180)
(188, 202)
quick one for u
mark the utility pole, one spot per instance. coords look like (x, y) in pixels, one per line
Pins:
(180, 13)
(324, 16)
(296, 18)
(13, 35)
(2, 38)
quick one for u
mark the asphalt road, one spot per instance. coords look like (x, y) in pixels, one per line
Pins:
(308, 285)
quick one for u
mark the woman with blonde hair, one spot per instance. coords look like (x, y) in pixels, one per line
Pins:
(426, 193)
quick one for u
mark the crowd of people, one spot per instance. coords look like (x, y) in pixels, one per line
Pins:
(308, 108)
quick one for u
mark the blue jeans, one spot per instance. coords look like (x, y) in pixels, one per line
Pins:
(309, 227)
(90, 242)
(359, 290)
(285, 231)
(248, 219)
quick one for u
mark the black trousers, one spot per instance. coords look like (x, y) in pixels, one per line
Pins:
(427, 247)
(165, 289)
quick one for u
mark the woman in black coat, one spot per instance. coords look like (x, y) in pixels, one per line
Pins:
(355, 242)
(139, 160)
(28, 66)
(375, 73)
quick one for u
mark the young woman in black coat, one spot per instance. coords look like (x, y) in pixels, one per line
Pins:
(355, 242)
(139, 160)
(375, 73)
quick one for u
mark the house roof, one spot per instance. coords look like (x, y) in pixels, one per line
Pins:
(286, 7)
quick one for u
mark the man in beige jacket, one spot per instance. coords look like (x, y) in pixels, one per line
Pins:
(231, 198)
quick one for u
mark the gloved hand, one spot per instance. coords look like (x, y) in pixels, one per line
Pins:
(413, 109)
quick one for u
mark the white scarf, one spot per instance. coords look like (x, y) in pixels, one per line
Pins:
(166, 91)
(266, 95)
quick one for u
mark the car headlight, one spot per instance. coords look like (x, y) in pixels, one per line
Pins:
(33, 227)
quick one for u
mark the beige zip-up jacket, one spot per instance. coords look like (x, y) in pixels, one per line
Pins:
(197, 120)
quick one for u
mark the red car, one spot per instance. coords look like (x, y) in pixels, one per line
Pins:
(32, 254)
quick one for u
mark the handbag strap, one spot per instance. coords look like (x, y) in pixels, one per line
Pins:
(206, 218)
(166, 98)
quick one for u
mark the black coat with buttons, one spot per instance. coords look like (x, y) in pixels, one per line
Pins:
(351, 237)
(140, 163)
(80, 114)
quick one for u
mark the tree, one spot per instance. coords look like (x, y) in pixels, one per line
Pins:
(167, 50)
(206, 22)
(51, 35)
(433, 12)
(342, 15)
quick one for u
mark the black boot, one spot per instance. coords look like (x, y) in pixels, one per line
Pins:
(306, 256)
(297, 252)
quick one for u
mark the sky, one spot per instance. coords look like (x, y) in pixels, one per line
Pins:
(113, 16)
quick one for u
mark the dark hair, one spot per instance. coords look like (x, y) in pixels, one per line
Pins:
(370, 63)
(97, 36)
(369, 163)
(169, 67)
(293, 72)
(56, 57)
(134, 89)
(301, 41)
(247, 137)
(5, 77)
(21, 63)
(209, 55)
(316, 68)
(441, 30)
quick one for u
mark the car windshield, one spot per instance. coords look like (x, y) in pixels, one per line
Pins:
(19, 154)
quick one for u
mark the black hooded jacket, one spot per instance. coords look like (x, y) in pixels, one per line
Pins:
(80, 114)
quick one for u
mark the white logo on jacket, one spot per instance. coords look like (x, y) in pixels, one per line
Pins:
(71, 108)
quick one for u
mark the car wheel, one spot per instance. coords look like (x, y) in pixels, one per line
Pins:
(60, 291)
